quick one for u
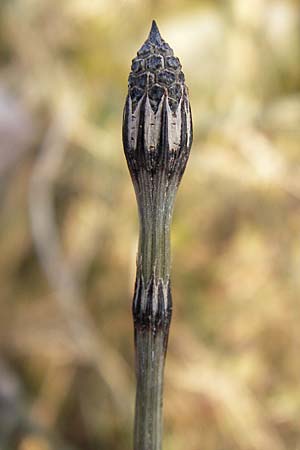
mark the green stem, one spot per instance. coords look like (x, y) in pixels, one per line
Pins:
(150, 361)
(152, 309)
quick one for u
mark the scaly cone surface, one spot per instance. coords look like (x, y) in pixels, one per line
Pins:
(156, 70)
(157, 125)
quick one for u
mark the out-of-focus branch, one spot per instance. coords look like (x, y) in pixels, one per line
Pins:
(91, 345)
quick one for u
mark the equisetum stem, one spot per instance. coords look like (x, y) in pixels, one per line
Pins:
(150, 361)
(157, 137)
(152, 308)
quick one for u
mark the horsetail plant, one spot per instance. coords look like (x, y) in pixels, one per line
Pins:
(157, 137)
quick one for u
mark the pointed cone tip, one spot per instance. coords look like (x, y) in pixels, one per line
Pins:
(154, 26)
(154, 32)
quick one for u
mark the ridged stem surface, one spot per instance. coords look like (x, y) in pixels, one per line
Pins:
(150, 360)
(152, 309)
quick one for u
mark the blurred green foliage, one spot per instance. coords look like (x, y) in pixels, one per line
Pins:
(68, 226)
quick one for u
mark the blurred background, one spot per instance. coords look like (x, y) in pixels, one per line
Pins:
(68, 228)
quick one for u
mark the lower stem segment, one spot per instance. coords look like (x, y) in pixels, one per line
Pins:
(150, 361)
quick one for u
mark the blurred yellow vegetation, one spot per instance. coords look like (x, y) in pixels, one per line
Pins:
(68, 226)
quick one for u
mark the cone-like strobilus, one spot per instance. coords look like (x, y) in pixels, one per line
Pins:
(157, 137)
